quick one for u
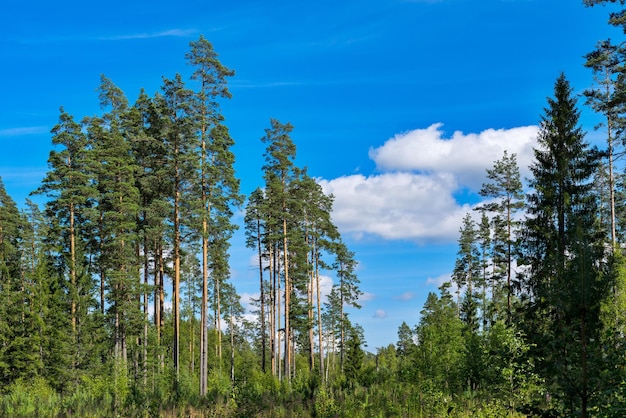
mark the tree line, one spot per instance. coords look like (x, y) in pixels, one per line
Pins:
(142, 196)
(531, 323)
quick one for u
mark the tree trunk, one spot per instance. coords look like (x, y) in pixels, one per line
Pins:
(261, 297)
(310, 303)
(204, 340)
(273, 327)
(146, 317)
(287, 301)
(319, 316)
(73, 271)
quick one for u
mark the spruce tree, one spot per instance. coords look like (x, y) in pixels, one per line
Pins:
(17, 359)
(467, 270)
(565, 250)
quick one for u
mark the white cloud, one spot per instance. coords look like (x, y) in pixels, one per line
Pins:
(397, 205)
(413, 197)
(380, 313)
(464, 156)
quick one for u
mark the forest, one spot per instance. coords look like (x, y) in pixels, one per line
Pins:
(117, 298)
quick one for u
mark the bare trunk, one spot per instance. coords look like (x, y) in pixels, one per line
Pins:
(218, 321)
(176, 255)
(146, 316)
(319, 316)
(310, 317)
(232, 349)
(509, 262)
(204, 340)
(273, 328)
(262, 297)
(192, 351)
(101, 268)
(161, 289)
(310, 303)
(287, 302)
(73, 271)
(609, 127)
(279, 319)
(342, 341)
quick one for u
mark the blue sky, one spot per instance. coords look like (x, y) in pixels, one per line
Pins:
(399, 106)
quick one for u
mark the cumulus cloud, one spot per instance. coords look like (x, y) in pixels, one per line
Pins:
(420, 172)
(397, 205)
(464, 156)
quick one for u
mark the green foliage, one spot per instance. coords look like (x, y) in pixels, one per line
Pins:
(441, 345)
(144, 194)
(29, 399)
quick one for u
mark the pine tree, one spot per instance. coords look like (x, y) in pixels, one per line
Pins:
(218, 188)
(175, 110)
(255, 238)
(484, 248)
(606, 63)
(280, 172)
(144, 130)
(70, 186)
(118, 207)
(347, 289)
(505, 186)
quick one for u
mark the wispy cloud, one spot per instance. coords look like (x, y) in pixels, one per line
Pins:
(22, 131)
(173, 33)
(406, 296)
(170, 33)
(262, 84)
